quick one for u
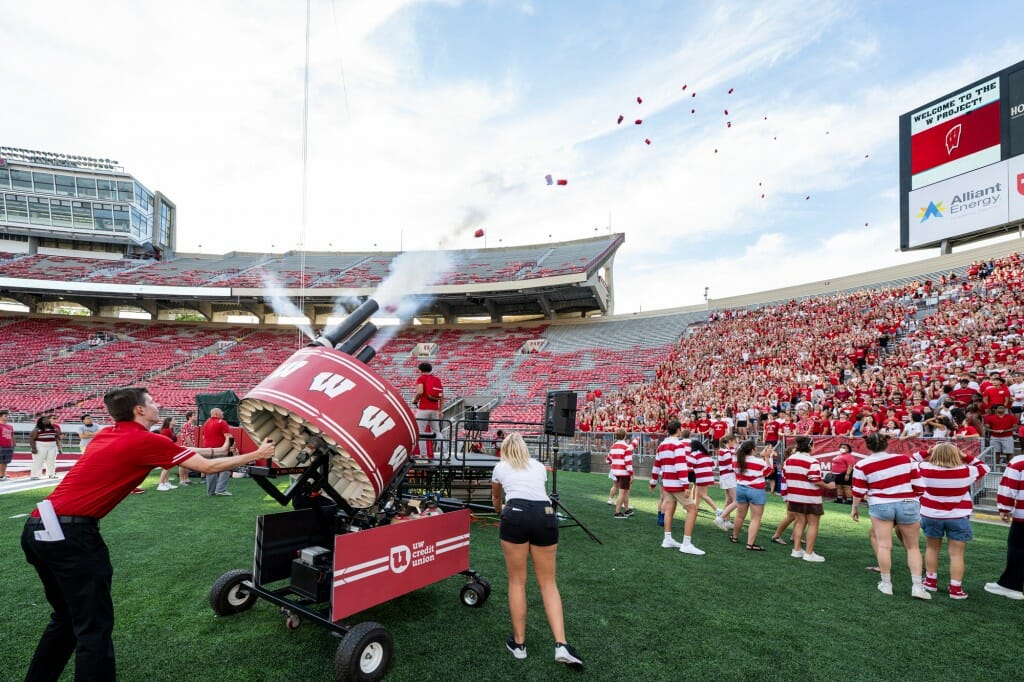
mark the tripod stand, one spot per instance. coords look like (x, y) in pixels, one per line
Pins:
(565, 513)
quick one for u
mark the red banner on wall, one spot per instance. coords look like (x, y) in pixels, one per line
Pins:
(827, 447)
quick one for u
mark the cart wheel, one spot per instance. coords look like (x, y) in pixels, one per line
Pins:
(486, 583)
(228, 595)
(473, 595)
(364, 653)
(292, 621)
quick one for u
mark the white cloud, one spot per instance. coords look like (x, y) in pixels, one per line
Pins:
(204, 102)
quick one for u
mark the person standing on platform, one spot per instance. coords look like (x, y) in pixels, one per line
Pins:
(215, 434)
(45, 443)
(6, 444)
(75, 567)
(429, 402)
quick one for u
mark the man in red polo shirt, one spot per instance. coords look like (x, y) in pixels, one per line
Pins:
(215, 433)
(1000, 426)
(76, 572)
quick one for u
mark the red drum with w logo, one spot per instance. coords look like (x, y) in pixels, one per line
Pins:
(362, 417)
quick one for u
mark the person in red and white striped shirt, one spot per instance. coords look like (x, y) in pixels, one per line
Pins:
(946, 508)
(1010, 502)
(671, 469)
(803, 498)
(620, 461)
(727, 480)
(891, 484)
(702, 468)
(751, 471)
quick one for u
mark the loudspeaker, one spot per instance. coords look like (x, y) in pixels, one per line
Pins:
(478, 420)
(560, 413)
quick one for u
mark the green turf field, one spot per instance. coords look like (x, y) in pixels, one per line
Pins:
(633, 610)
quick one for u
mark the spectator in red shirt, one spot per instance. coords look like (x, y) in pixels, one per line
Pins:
(215, 434)
(1000, 426)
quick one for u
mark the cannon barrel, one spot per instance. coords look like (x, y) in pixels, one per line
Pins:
(336, 334)
(356, 341)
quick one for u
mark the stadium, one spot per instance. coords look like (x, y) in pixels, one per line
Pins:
(312, 357)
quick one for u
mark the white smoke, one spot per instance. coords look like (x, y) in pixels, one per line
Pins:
(282, 305)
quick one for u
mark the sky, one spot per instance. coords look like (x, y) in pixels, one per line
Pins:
(430, 119)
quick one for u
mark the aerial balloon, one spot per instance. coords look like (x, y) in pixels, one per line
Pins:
(479, 232)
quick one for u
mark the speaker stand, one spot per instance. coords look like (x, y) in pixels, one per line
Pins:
(566, 514)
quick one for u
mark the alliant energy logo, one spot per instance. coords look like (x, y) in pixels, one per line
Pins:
(976, 198)
(932, 210)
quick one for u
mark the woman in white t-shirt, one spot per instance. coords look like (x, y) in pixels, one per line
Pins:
(529, 528)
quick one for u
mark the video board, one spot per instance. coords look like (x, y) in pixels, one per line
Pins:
(959, 178)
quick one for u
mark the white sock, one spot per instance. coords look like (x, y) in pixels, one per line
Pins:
(886, 577)
(668, 536)
(686, 540)
(916, 580)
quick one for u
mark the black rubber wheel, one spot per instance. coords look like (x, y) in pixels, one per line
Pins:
(228, 595)
(486, 583)
(473, 595)
(364, 653)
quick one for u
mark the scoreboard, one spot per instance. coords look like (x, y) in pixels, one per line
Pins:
(962, 163)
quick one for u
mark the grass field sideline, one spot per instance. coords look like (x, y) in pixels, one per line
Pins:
(633, 610)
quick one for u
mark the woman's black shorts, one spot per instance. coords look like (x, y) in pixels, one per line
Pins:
(535, 522)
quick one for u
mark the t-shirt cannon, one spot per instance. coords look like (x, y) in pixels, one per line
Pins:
(352, 539)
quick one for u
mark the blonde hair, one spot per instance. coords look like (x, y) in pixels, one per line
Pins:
(515, 452)
(946, 455)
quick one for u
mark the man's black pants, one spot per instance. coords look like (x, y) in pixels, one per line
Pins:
(76, 575)
(1013, 575)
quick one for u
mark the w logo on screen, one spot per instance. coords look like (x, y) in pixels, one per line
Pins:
(932, 211)
(1020, 183)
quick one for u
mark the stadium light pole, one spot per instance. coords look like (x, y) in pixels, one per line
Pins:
(707, 304)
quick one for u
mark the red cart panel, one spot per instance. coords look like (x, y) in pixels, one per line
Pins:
(376, 565)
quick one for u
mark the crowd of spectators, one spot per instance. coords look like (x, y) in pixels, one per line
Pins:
(922, 359)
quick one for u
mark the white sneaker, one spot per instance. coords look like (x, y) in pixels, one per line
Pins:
(728, 525)
(814, 558)
(885, 588)
(996, 588)
(566, 654)
(669, 543)
(918, 592)
(797, 554)
(721, 523)
(718, 513)
(163, 487)
(171, 485)
(691, 549)
(612, 502)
